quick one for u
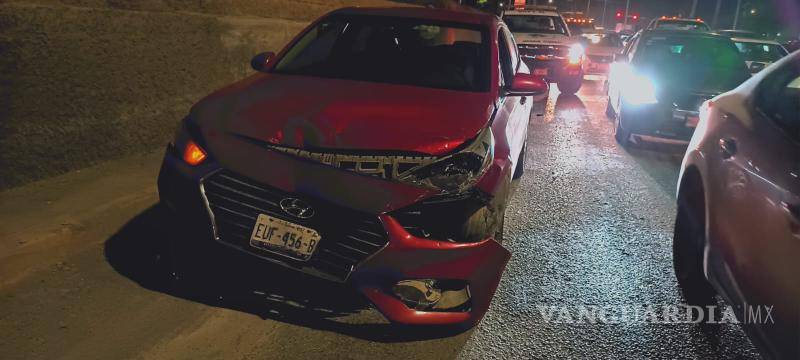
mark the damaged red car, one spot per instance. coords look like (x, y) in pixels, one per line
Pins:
(379, 149)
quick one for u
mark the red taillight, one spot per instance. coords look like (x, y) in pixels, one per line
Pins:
(193, 154)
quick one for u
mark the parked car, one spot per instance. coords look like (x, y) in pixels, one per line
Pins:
(601, 48)
(759, 53)
(378, 149)
(674, 23)
(656, 87)
(737, 231)
(547, 46)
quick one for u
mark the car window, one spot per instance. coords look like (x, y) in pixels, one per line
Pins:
(392, 50)
(764, 52)
(779, 98)
(535, 24)
(690, 51)
(506, 67)
(711, 63)
(629, 46)
(631, 50)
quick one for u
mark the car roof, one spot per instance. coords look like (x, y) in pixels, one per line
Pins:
(533, 12)
(755, 41)
(465, 16)
(680, 20)
(684, 33)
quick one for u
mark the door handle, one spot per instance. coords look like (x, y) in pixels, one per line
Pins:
(728, 147)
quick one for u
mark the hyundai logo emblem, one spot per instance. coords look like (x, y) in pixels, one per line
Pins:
(297, 208)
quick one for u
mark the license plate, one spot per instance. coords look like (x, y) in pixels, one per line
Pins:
(540, 72)
(692, 120)
(271, 233)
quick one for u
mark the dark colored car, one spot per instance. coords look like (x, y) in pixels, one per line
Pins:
(377, 149)
(656, 87)
(737, 231)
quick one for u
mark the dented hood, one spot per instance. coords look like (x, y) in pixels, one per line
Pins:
(332, 114)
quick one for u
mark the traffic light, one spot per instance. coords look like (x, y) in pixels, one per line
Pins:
(620, 15)
(635, 17)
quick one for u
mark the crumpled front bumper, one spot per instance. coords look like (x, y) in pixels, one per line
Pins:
(479, 264)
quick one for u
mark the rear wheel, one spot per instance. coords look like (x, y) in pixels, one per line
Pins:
(570, 86)
(609, 109)
(622, 135)
(688, 246)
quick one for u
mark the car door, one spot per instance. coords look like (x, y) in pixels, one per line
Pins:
(515, 110)
(757, 216)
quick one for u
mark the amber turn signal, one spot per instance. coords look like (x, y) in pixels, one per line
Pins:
(193, 154)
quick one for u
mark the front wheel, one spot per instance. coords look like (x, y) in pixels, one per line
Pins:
(570, 86)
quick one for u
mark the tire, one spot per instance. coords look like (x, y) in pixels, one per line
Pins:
(610, 110)
(520, 168)
(570, 86)
(687, 255)
(622, 135)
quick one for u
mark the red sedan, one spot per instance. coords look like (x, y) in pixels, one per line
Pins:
(378, 149)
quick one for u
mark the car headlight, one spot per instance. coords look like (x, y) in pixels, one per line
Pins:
(640, 90)
(636, 88)
(188, 143)
(575, 54)
(457, 172)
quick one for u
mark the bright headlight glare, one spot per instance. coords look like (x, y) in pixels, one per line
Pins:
(641, 90)
(636, 89)
(575, 54)
(457, 172)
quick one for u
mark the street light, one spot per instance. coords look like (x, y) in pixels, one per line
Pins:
(753, 11)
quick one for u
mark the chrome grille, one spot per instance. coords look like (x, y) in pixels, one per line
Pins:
(382, 166)
(347, 237)
(548, 52)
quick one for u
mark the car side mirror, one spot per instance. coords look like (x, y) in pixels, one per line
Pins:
(527, 85)
(259, 62)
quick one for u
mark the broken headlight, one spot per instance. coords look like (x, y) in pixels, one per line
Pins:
(457, 172)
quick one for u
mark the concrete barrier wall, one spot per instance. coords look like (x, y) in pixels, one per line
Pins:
(83, 81)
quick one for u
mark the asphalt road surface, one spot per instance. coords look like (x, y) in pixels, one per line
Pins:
(82, 275)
